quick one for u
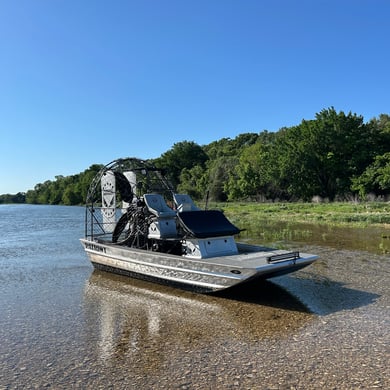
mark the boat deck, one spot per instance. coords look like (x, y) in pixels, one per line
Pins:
(251, 256)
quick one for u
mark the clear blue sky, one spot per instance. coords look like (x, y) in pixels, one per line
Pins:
(88, 81)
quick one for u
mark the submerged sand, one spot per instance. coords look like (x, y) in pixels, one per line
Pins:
(327, 326)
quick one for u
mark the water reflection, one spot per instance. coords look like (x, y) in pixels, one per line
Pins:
(146, 323)
(371, 239)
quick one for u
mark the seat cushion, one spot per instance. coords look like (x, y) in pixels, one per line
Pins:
(206, 223)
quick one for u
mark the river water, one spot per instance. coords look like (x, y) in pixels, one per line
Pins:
(64, 325)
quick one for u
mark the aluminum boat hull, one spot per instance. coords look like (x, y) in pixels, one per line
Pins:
(201, 275)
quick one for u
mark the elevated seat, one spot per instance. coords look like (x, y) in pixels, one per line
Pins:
(164, 224)
(184, 202)
(206, 223)
(157, 206)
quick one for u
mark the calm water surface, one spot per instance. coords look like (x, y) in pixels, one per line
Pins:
(63, 325)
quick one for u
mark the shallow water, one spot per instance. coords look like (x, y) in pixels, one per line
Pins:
(64, 325)
(370, 239)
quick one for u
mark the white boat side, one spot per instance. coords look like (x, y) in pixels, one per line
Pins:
(205, 275)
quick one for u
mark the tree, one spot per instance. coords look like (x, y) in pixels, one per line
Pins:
(20, 197)
(329, 156)
(254, 175)
(230, 147)
(218, 172)
(69, 190)
(31, 197)
(245, 179)
(320, 156)
(193, 182)
(185, 154)
(71, 196)
(375, 178)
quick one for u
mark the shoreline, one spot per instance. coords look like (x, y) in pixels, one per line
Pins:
(344, 214)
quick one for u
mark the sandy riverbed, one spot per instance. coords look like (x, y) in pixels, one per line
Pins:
(326, 326)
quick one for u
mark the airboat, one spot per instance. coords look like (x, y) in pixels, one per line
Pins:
(136, 224)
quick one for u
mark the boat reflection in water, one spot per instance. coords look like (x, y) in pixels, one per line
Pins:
(146, 323)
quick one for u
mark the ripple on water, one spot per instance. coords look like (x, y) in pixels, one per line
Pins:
(62, 325)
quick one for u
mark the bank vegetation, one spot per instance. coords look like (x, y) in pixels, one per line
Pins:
(334, 157)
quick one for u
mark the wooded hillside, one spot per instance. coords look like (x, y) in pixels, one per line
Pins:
(335, 156)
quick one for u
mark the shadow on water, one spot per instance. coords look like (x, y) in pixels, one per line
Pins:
(323, 296)
(264, 293)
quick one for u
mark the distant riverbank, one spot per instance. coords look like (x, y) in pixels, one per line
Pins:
(351, 214)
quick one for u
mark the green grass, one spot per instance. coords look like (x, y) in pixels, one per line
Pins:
(337, 214)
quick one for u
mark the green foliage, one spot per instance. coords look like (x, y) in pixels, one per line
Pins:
(193, 182)
(254, 176)
(318, 157)
(219, 171)
(375, 178)
(335, 156)
(246, 178)
(67, 190)
(183, 155)
(230, 147)
(223, 158)
(20, 197)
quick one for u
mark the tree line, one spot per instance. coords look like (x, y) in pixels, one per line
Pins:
(335, 156)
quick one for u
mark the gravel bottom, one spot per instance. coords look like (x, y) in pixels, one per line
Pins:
(326, 326)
